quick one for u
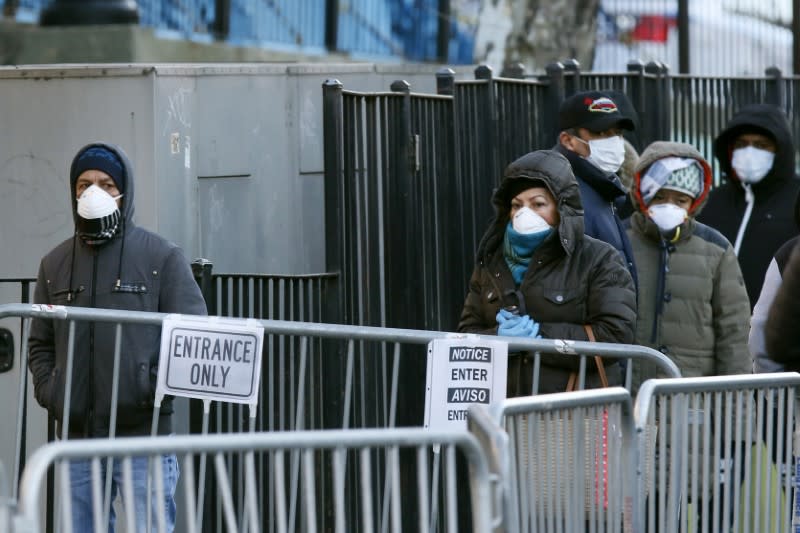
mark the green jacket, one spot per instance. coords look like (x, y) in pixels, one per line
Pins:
(693, 306)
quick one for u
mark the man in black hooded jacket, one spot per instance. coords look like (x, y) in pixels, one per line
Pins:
(754, 208)
(108, 263)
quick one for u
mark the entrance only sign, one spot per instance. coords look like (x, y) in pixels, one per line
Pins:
(462, 371)
(210, 358)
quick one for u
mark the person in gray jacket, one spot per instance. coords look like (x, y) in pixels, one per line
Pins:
(108, 263)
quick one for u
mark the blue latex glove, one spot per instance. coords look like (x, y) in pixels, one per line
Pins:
(511, 325)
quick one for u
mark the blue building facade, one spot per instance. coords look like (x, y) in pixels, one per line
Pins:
(398, 30)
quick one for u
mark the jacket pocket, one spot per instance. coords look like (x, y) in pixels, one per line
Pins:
(561, 296)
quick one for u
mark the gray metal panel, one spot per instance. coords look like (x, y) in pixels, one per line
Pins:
(237, 186)
(46, 120)
(258, 120)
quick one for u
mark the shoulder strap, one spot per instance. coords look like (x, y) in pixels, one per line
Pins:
(601, 370)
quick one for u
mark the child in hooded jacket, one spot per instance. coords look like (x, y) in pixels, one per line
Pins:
(693, 305)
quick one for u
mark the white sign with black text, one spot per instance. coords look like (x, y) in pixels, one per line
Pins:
(463, 371)
(210, 358)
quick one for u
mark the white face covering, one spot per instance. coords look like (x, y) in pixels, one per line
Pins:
(667, 216)
(526, 221)
(96, 203)
(752, 164)
(606, 154)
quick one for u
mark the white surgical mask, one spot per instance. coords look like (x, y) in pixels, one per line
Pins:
(667, 216)
(752, 164)
(96, 203)
(526, 221)
(606, 154)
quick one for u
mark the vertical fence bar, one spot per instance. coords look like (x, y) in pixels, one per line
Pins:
(683, 37)
(332, 112)
(572, 77)
(487, 124)
(636, 95)
(555, 95)
(775, 88)
(400, 202)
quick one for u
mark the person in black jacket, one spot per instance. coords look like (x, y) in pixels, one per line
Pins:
(754, 209)
(591, 127)
(109, 263)
(535, 258)
(781, 332)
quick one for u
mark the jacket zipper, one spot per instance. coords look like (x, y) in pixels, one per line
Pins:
(90, 418)
(661, 283)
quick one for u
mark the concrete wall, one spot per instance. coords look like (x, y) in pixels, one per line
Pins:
(228, 158)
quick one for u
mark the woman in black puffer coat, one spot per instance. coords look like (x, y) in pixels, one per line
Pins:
(535, 256)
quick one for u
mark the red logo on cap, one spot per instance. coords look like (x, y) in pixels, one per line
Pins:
(602, 105)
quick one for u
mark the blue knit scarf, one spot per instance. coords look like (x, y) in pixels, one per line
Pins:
(518, 249)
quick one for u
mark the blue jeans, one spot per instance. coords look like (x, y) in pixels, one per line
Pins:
(81, 484)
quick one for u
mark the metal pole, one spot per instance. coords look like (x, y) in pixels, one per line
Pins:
(572, 77)
(796, 36)
(683, 36)
(443, 35)
(331, 25)
(201, 270)
(556, 92)
(487, 125)
(332, 119)
(222, 19)
(775, 88)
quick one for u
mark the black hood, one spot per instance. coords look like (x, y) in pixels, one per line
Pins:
(127, 177)
(554, 171)
(126, 211)
(760, 118)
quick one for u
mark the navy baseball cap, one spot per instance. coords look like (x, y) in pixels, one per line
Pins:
(593, 110)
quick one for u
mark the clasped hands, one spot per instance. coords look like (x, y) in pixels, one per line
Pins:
(512, 325)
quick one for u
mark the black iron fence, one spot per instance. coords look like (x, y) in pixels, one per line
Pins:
(409, 177)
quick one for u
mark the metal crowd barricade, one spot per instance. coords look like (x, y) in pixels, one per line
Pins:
(570, 463)
(722, 460)
(325, 376)
(343, 453)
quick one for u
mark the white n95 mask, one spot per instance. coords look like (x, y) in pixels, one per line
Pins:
(667, 216)
(96, 203)
(98, 215)
(752, 164)
(607, 154)
(526, 221)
